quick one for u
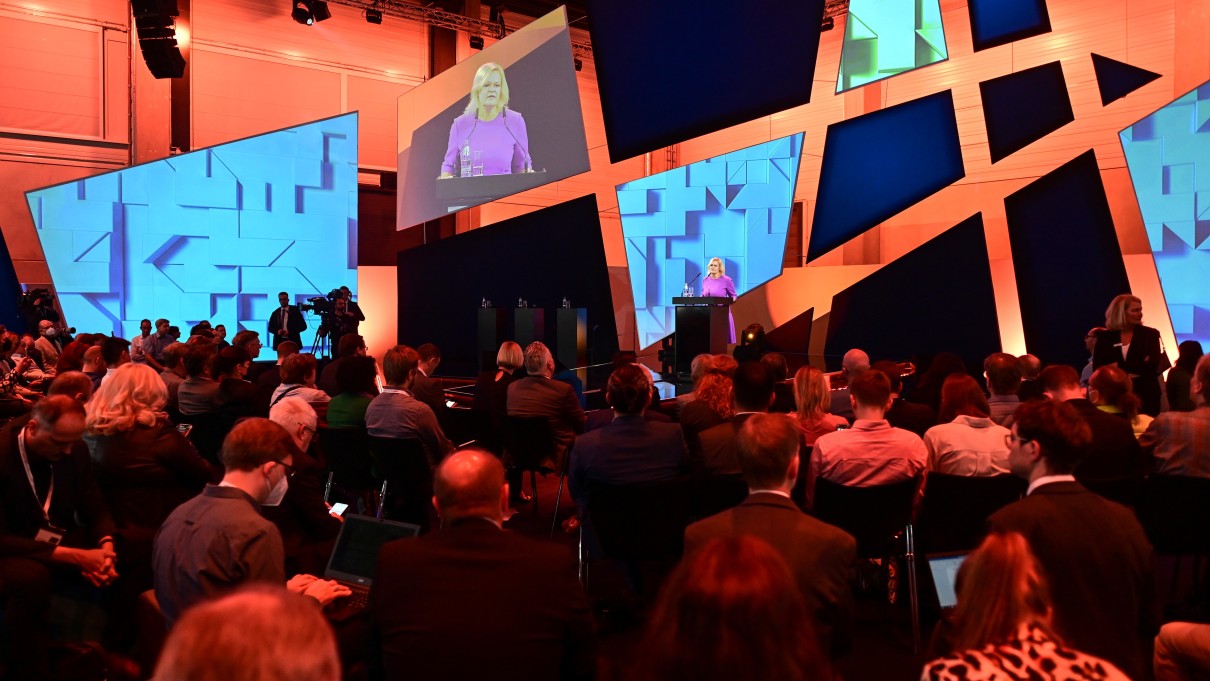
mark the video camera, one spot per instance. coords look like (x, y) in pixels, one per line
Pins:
(322, 305)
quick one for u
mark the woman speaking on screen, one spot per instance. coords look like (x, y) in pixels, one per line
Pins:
(488, 138)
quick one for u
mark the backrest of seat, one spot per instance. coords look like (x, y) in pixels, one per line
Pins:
(399, 458)
(953, 515)
(528, 441)
(347, 454)
(1174, 510)
(644, 521)
(717, 493)
(871, 514)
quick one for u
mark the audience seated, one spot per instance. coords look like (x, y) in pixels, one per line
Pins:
(854, 363)
(173, 374)
(966, 442)
(1030, 388)
(1179, 442)
(1182, 652)
(258, 633)
(819, 555)
(356, 386)
(491, 386)
(219, 540)
(48, 343)
(49, 542)
(538, 395)
(1003, 374)
(928, 390)
(396, 413)
(813, 396)
(783, 393)
(730, 611)
(1179, 382)
(116, 353)
(74, 384)
(238, 397)
(713, 404)
(1113, 452)
(631, 448)
(308, 528)
(351, 345)
(1112, 391)
(471, 601)
(715, 453)
(910, 416)
(1002, 627)
(197, 394)
(698, 367)
(1093, 551)
(93, 365)
(426, 388)
(298, 380)
(269, 375)
(872, 452)
(251, 343)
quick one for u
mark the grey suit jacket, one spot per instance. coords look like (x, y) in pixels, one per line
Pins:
(557, 401)
(819, 555)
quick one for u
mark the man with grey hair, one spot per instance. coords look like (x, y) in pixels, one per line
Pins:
(855, 362)
(820, 556)
(538, 395)
(475, 577)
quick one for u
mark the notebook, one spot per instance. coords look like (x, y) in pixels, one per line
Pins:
(944, 568)
(355, 557)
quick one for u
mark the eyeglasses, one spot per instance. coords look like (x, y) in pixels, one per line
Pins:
(289, 469)
(1010, 438)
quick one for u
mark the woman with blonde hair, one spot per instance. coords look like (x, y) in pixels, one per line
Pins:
(488, 138)
(813, 394)
(718, 284)
(1002, 624)
(491, 393)
(1134, 348)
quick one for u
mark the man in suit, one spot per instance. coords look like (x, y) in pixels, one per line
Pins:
(47, 344)
(286, 322)
(1093, 551)
(910, 416)
(820, 556)
(631, 448)
(1114, 452)
(538, 395)
(426, 388)
(715, 452)
(515, 598)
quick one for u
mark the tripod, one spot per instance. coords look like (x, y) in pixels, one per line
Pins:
(321, 345)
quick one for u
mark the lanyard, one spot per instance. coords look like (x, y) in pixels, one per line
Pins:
(396, 391)
(50, 493)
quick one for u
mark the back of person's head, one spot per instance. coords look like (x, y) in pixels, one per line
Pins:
(72, 357)
(724, 364)
(469, 483)
(812, 393)
(855, 361)
(174, 354)
(1000, 586)
(258, 633)
(48, 410)
(537, 358)
(1058, 429)
(1059, 378)
(357, 376)
(624, 357)
(1003, 373)
(74, 384)
(197, 360)
(777, 365)
(698, 368)
(1188, 353)
(510, 357)
(871, 389)
(753, 385)
(94, 357)
(1030, 365)
(297, 416)
(962, 396)
(399, 362)
(1201, 379)
(717, 393)
(628, 390)
(731, 610)
(891, 371)
(298, 368)
(286, 348)
(767, 444)
(429, 352)
(253, 443)
(133, 395)
(245, 338)
(1111, 386)
(229, 359)
(349, 344)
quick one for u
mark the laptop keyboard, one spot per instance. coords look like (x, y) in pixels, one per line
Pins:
(358, 599)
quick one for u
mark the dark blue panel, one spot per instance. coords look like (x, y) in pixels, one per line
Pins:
(668, 71)
(10, 292)
(936, 298)
(996, 22)
(878, 164)
(794, 336)
(1116, 80)
(442, 284)
(1066, 257)
(1022, 108)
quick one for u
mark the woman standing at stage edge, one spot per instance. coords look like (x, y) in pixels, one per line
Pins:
(1135, 348)
(717, 283)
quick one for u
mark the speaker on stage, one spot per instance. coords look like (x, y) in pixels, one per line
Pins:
(157, 37)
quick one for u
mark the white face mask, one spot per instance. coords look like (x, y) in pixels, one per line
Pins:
(277, 492)
(50, 333)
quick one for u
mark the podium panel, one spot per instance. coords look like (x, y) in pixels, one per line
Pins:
(571, 336)
(702, 326)
(530, 325)
(493, 330)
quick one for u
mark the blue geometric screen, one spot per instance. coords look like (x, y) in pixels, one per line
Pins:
(878, 164)
(883, 38)
(213, 234)
(1168, 154)
(997, 22)
(735, 207)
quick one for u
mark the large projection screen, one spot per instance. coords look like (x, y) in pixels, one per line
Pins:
(537, 137)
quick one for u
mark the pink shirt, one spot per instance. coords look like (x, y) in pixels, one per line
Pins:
(868, 454)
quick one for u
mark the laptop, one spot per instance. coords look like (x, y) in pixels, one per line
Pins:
(944, 568)
(355, 557)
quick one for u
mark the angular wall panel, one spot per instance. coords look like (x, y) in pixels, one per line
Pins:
(883, 38)
(1115, 80)
(1022, 108)
(997, 22)
(1066, 257)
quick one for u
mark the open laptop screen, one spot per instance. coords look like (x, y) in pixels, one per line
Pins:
(944, 569)
(355, 556)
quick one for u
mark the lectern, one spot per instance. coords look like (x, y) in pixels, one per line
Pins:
(702, 326)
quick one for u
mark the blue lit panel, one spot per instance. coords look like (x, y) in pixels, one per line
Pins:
(1168, 154)
(883, 38)
(735, 207)
(998, 22)
(213, 234)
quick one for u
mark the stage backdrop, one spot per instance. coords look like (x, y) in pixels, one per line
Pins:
(209, 235)
(543, 257)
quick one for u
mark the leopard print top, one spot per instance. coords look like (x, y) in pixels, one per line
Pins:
(1032, 656)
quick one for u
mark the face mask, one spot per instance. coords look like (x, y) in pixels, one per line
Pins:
(50, 333)
(277, 493)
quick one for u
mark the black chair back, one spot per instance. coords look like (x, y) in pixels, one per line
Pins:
(1125, 491)
(347, 454)
(1174, 510)
(873, 515)
(953, 515)
(403, 464)
(717, 493)
(641, 522)
(529, 443)
(209, 431)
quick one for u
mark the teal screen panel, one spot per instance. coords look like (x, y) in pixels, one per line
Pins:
(883, 38)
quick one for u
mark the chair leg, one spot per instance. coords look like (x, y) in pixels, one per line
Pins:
(913, 596)
(554, 521)
(582, 567)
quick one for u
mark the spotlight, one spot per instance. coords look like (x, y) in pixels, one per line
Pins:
(827, 24)
(476, 42)
(302, 13)
(578, 64)
(319, 9)
(374, 16)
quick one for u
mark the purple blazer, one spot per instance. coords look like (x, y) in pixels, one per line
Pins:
(502, 142)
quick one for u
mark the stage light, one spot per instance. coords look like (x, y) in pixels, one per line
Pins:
(302, 13)
(319, 10)
(476, 42)
(578, 64)
(827, 24)
(374, 16)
